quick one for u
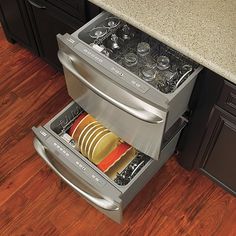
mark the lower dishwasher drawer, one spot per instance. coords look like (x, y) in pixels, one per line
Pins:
(109, 195)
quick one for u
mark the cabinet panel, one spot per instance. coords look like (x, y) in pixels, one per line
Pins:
(205, 94)
(48, 21)
(227, 98)
(218, 151)
(74, 8)
(16, 23)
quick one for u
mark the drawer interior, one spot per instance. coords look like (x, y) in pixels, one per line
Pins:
(127, 167)
(120, 166)
(118, 39)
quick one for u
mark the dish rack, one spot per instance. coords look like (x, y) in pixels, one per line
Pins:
(61, 127)
(157, 49)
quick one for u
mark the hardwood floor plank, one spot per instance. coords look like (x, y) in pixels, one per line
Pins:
(16, 155)
(19, 177)
(8, 84)
(27, 220)
(18, 60)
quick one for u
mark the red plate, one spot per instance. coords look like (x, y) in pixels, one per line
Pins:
(113, 157)
(76, 123)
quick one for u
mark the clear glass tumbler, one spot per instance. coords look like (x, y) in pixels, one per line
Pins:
(144, 54)
(131, 61)
(147, 74)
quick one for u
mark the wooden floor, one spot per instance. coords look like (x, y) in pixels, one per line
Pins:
(33, 201)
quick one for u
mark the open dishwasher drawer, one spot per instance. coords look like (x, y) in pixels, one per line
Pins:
(117, 95)
(107, 193)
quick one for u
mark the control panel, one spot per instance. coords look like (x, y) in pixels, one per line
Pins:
(59, 149)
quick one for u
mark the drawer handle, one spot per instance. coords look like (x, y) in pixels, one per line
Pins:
(36, 5)
(140, 113)
(99, 202)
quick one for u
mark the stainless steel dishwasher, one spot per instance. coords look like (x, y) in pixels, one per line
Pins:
(135, 86)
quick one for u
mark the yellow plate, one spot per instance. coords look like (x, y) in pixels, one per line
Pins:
(82, 124)
(97, 136)
(86, 136)
(91, 136)
(104, 146)
(83, 132)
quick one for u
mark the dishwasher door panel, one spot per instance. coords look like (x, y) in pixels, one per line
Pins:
(131, 118)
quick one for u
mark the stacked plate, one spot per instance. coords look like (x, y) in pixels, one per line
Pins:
(97, 143)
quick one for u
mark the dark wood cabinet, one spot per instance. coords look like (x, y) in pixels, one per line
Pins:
(16, 24)
(217, 155)
(35, 23)
(209, 142)
(48, 21)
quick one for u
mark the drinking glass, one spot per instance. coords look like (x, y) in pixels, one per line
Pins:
(163, 62)
(98, 32)
(162, 83)
(144, 54)
(130, 61)
(126, 32)
(147, 74)
(111, 22)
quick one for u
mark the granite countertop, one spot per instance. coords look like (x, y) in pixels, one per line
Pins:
(204, 30)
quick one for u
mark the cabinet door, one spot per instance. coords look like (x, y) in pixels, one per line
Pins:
(218, 150)
(74, 8)
(16, 23)
(47, 22)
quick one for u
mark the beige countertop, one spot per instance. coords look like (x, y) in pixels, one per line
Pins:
(204, 30)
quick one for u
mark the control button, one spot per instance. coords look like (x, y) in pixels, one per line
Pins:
(139, 86)
(43, 133)
(72, 41)
(67, 154)
(61, 149)
(102, 183)
(80, 166)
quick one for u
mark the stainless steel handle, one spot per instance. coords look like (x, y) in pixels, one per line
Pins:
(99, 202)
(36, 5)
(138, 112)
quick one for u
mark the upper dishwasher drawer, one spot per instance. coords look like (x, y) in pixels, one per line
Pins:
(129, 106)
(112, 45)
(137, 122)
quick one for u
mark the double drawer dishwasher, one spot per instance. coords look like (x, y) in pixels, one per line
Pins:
(130, 94)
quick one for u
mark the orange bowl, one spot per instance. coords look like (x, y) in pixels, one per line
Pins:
(76, 123)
